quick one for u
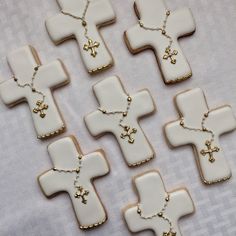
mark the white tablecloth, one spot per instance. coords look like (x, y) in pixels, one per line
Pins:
(25, 211)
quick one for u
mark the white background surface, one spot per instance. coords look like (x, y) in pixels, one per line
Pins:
(24, 211)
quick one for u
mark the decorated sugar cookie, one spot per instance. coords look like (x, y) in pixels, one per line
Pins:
(73, 173)
(157, 210)
(201, 127)
(32, 82)
(80, 19)
(118, 113)
(159, 29)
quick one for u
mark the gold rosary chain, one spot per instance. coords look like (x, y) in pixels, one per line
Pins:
(157, 214)
(31, 84)
(124, 113)
(82, 18)
(77, 171)
(128, 131)
(162, 29)
(203, 127)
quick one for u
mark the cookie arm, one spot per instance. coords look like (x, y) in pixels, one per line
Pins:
(134, 222)
(183, 203)
(96, 165)
(10, 93)
(135, 39)
(54, 74)
(95, 123)
(143, 103)
(51, 182)
(60, 27)
(223, 114)
(182, 22)
(104, 12)
(176, 135)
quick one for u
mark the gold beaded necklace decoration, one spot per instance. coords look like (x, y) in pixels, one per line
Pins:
(80, 192)
(91, 45)
(169, 53)
(40, 105)
(128, 131)
(161, 215)
(210, 150)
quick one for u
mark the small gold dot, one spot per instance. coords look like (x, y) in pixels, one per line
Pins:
(84, 23)
(163, 32)
(168, 13)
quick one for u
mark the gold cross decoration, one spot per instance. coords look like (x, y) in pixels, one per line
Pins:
(170, 233)
(91, 46)
(210, 151)
(128, 131)
(40, 107)
(170, 54)
(82, 193)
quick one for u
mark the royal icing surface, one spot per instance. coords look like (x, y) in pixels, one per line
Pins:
(22, 62)
(180, 23)
(64, 154)
(152, 194)
(192, 106)
(111, 96)
(62, 27)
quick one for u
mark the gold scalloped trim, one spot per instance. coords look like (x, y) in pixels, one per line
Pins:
(93, 225)
(141, 162)
(179, 79)
(100, 68)
(52, 133)
(217, 181)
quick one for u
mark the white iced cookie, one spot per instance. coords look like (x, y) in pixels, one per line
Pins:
(73, 173)
(201, 127)
(80, 19)
(118, 113)
(157, 209)
(32, 82)
(159, 29)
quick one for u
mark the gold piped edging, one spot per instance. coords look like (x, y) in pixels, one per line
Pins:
(100, 68)
(180, 79)
(52, 133)
(141, 162)
(218, 180)
(83, 227)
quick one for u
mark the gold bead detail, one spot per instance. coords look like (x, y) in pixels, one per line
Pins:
(139, 211)
(160, 214)
(182, 123)
(129, 99)
(84, 23)
(167, 13)
(140, 23)
(124, 114)
(163, 32)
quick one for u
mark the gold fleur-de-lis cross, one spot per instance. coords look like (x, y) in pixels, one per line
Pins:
(210, 151)
(40, 108)
(82, 193)
(128, 132)
(170, 233)
(170, 55)
(91, 46)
